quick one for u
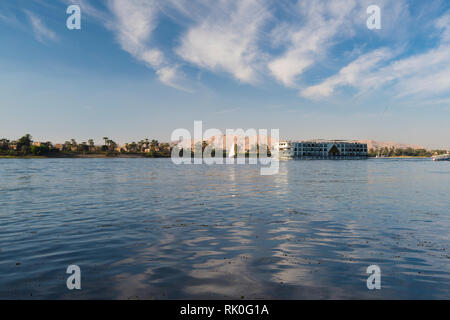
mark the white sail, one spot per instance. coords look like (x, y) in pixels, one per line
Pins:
(232, 151)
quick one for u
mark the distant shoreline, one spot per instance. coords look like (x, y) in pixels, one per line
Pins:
(402, 157)
(141, 156)
(81, 156)
(26, 148)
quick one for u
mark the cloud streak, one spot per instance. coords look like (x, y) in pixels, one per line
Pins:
(41, 32)
(265, 40)
(421, 74)
(354, 74)
(134, 22)
(226, 38)
(308, 39)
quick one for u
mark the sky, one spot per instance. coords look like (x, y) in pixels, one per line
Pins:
(143, 68)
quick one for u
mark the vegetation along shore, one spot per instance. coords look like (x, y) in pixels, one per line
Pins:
(25, 147)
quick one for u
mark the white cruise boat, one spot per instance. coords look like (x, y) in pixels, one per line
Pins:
(442, 157)
(285, 150)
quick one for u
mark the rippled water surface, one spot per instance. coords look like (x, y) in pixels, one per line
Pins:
(147, 229)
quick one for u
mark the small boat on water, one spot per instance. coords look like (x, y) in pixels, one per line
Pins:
(442, 157)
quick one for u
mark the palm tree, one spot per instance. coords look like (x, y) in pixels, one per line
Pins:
(91, 144)
(111, 145)
(164, 149)
(106, 140)
(67, 146)
(154, 145)
(25, 141)
(4, 144)
(83, 147)
(132, 147)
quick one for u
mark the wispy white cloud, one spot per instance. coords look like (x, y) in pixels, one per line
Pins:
(354, 74)
(172, 76)
(225, 37)
(443, 25)
(318, 25)
(251, 40)
(40, 30)
(421, 74)
(133, 23)
(309, 38)
(7, 19)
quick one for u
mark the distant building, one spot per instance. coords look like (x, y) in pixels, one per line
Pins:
(13, 145)
(59, 147)
(41, 144)
(322, 149)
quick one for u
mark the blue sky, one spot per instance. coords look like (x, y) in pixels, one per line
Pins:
(142, 68)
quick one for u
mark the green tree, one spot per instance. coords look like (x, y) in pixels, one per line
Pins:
(39, 150)
(83, 147)
(4, 144)
(24, 144)
(111, 145)
(140, 145)
(154, 145)
(67, 146)
(91, 145)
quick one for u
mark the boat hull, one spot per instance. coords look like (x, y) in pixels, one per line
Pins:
(445, 157)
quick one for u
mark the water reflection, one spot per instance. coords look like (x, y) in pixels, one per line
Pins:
(146, 229)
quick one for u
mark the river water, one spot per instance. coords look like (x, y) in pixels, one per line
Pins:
(148, 229)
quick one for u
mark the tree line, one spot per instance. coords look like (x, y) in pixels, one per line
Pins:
(153, 148)
(403, 152)
(25, 146)
(145, 147)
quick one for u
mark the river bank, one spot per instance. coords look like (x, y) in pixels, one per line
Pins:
(81, 156)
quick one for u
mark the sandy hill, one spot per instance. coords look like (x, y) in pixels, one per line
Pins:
(372, 144)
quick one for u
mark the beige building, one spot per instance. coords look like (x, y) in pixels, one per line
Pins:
(41, 144)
